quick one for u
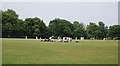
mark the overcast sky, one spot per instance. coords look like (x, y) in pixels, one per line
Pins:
(84, 12)
(60, 0)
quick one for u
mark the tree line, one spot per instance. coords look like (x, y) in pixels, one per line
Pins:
(12, 26)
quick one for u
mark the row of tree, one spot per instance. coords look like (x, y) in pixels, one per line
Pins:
(12, 26)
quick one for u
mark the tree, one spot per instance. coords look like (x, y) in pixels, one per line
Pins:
(79, 30)
(101, 30)
(12, 26)
(34, 27)
(19, 29)
(60, 27)
(92, 30)
(0, 23)
(9, 21)
(114, 31)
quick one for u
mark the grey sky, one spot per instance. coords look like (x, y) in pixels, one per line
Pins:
(73, 11)
(60, 0)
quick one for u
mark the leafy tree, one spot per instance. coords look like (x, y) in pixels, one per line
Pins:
(79, 30)
(60, 27)
(114, 31)
(0, 23)
(19, 28)
(34, 27)
(12, 26)
(101, 30)
(9, 21)
(92, 30)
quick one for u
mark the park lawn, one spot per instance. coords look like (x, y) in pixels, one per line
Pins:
(21, 51)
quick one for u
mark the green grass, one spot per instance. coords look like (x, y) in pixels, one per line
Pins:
(19, 51)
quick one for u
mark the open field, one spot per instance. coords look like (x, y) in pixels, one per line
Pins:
(20, 51)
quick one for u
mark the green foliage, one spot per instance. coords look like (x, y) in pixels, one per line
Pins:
(97, 31)
(79, 30)
(9, 21)
(92, 30)
(102, 30)
(34, 27)
(0, 23)
(114, 31)
(60, 27)
(18, 30)
(12, 26)
(15, 27)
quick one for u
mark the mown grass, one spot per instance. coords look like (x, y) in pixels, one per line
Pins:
(18, 51)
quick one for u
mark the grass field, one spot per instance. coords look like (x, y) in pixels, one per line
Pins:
(20, 51)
